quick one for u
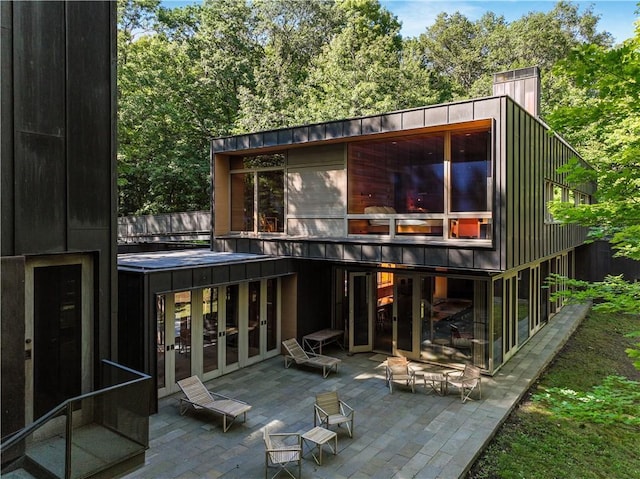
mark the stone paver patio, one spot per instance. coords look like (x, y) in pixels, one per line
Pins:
(399, 435)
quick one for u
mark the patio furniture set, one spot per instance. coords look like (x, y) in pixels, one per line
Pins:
(398, 370)
(283, 450)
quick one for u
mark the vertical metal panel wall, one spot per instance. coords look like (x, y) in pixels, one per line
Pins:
(532, 157)
(58, 168)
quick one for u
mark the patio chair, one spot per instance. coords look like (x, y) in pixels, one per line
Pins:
(199, 398)
(399, 371)
(466, 381)
(295, 354)
(281, 452)
(329, 410)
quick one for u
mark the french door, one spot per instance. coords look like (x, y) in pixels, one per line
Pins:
(406, 308)
(360, 312)
(212, 331)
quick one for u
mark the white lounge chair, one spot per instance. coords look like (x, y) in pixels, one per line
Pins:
(200, 398)
(295, 354)
(399, 371)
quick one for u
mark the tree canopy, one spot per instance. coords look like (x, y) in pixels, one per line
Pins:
(230, 66)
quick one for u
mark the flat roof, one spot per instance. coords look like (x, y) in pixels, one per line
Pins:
(187, 258)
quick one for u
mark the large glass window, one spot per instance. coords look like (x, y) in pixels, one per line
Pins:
(257, 193)
(405, 174)
(182, 322)
(523, 306)
(437, 185)
(470, 171)
(498, 322)
(272, 314)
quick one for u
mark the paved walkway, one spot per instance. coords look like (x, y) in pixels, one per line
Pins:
(399, 435)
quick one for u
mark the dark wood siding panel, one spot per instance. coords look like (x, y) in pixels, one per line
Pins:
(6, 131)
(508, 198)
(89, 116)
(39, 122)
(39, 83)
(12, 344)
(40, 200)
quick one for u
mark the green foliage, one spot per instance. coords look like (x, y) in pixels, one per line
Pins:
(612, 295)
(606, 128)
(616, 400)
(190, 73)
(537, 442)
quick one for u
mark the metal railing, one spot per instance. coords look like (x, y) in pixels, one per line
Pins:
(114, 416)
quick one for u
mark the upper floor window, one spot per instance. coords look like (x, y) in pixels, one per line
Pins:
(470, 171)
(437, 184)
(257, 193)
(553, 192)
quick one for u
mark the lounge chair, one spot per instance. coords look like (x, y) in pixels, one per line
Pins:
(295, 354)
(198, 397)
(330, 410)
(466, 381)
(279, 453)
(399, 371)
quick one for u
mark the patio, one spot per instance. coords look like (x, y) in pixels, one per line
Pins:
(399, 435)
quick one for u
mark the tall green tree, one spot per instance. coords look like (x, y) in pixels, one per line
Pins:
(469, 52)
(289, 35)
(355, 74)
(606, 128)
(178, 84)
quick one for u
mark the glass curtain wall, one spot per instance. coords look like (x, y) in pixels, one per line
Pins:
(232, 324)
(160, 340)
(253, 337)
(523, 305)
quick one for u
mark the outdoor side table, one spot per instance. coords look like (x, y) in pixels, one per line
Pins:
(317, 437)
(437, 381)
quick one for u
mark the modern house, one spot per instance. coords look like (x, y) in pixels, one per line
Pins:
(58, 227)
(421, 233)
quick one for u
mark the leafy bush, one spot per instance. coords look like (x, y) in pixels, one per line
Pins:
(616, 400)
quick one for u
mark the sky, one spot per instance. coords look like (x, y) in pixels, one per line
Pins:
(616, 17)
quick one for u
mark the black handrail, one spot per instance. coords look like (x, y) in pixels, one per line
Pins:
(23, 433)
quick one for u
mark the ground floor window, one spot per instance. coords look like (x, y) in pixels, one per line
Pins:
(214, 330)
(452, 319)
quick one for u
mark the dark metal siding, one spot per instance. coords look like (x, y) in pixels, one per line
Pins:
(39, 122)
(60, 71)
(6, 129)
(12, 337)
(533, 156)
(314, 297)
(58, 139)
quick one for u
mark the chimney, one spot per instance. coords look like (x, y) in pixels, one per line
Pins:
(523, 85)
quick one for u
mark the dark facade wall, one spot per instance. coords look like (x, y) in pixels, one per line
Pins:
(6, 130)
(595, 260)
(314, 296)
(131, 322)
(13, 351)
(532, 156)
(58, 140)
